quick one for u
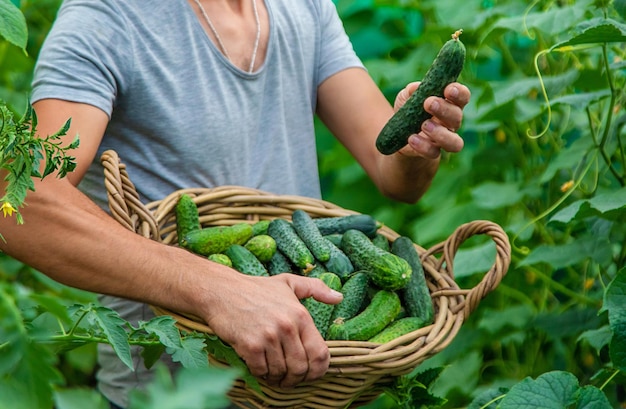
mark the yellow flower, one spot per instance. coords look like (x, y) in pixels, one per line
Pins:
(567, 186)
(8, 209)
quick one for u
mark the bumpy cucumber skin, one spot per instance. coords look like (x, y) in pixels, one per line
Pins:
(398, 328)
(381, 241)
(354, 291)
(290, 244)
(263, 246)
(338, 263)
(415, 296)
(303, 224)
(322, 312)
(408, 120)
(245, 262)
(386, 270)
(221, 258)
(381, 311)
(216, 239)
(279, 263)
(340, 224)
(187, 217)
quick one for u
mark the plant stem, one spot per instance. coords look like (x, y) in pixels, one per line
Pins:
(609, 115)
(563, 289)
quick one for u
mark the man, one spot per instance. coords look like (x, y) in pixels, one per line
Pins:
(206, 93)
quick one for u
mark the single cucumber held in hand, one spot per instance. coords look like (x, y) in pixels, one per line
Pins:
(408, 120)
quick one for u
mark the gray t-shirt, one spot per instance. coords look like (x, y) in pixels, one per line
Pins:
(181, 115)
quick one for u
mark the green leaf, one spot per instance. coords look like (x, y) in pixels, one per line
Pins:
(37, 375)
(602, 204)
(412, 391)
(595, 31)
(113, 327)
(493, 195)
(559, 256)
(13, 25)
(567, 158)
(191, 353)
(488, 399)
(581, 101)
(164, 327)
(151, 354)
(591, 397)
(79, 399)
(13, 337)
(225, 353)
(597, 338)
(199, 388)
(552, 390)
(614, 301)
(478, 259)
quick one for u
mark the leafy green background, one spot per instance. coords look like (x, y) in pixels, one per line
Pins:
(543, 158)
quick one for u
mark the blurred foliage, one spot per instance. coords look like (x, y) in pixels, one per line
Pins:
(543, 158)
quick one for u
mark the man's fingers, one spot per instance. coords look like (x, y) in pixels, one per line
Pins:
(305, 287)
(448, 114)
(458, 94)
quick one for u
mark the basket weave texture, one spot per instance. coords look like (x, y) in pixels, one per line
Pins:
(357, 368)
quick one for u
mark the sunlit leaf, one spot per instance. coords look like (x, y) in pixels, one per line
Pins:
(598, 30)
(13, 25)
(474, 260)
(493, 195)
(199, 388)
(79, 399)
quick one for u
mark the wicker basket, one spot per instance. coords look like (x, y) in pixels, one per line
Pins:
(357, 368)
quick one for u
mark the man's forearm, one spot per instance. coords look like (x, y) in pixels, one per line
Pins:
(70, 239)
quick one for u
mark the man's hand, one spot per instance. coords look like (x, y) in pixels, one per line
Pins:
(271, 330)
(439, 132)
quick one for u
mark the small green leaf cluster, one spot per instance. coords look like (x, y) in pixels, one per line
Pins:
(24, 155)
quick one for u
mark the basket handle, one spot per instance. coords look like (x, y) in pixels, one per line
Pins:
(492, 278)
(124, 202)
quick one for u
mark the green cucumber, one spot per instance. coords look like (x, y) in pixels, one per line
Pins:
(354, 292)
(338, 263)
(381, 241)
(415, 296)
(386, 270)
(408, 120)
(322, 312)
(398, 328)
(216, 239)
(221, 258)
(263, 246)
(303, 224)
(290, 244)
(260, 227)
(187, 217)
(340, 224)
(245, 262)
(334, 238)
(384, 307)
(279, 264)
